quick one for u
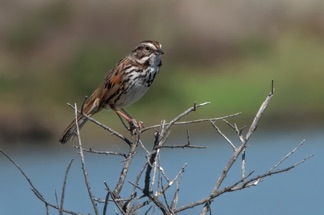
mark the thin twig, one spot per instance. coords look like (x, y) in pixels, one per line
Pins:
(63, 187)
(90, 150)
(127, 163)
(175, 197)
(56, 199)
(106, 203)
(175, 179)
(193, 108)
(166, 199)
(192, 121)
(84, 170)
(182, 147)
(187, 145)
(113, 197)
(156, 166)
(288, 155)
(147, 151)
(254, 181)
(223, 135)
(258, 116)
(243, 163)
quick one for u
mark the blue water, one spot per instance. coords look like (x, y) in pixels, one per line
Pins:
(299, 191)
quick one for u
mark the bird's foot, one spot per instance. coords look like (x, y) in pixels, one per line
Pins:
(135, 127)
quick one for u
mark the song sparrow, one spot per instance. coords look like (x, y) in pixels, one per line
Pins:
(126, 82)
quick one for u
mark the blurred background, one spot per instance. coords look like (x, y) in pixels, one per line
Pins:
(226, 52)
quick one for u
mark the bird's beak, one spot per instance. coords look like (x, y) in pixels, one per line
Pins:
(160, 51)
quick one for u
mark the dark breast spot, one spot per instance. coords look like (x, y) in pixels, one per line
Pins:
(147, 63)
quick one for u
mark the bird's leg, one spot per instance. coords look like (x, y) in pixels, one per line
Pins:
(133, 123)
(122, 120)
(138, 124)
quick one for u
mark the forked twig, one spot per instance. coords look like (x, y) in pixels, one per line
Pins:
(288, 155)
(193, 108)
(187, 145)
(223, 135)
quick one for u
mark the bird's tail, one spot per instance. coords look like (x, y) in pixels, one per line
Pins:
(91, 107)
(71, 131)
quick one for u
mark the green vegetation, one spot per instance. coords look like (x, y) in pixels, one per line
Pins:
(59, 54)
(294, 61)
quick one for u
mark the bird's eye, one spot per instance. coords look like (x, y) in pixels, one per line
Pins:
(147, 48)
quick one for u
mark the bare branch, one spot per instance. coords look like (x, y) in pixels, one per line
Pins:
(63, 187)
(192, 121)
(254, 181)
(182, 147)
(243, 163)
(187, 145)
(223, 135)
(106, 201)
(56, 199)
(114, 199)
(175, 179)
(258, 116)
(193, 108)
(90, 150)
(288, 155)
(175, 197)
(147, 151)
(85, 174)
(127, 163)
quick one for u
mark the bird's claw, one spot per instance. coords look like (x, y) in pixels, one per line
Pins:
(135, 127)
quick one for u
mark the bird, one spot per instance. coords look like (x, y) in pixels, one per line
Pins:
(124, 84)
